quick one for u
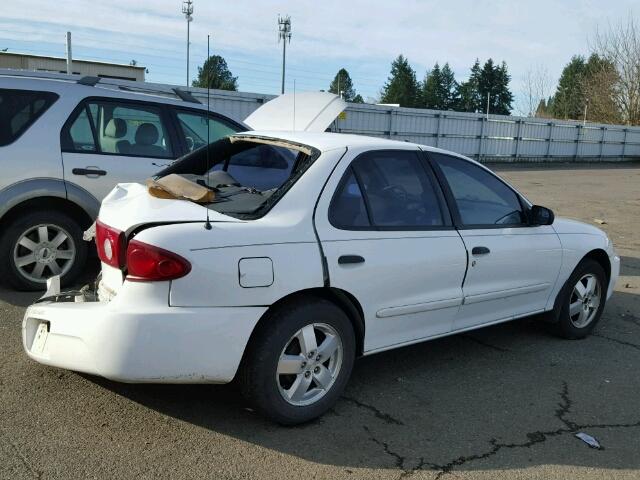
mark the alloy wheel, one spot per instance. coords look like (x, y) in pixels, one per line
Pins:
(43, 251)
(309, 364)
(585, 300)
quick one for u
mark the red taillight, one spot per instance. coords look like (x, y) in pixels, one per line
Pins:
(110, 243)
(146, 263)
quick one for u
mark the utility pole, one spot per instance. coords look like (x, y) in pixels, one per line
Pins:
(69, 58)
(187, 10)
(284, 34)
(584, 120)
(488, 96)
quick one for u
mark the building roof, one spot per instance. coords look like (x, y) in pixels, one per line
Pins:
(51, 57)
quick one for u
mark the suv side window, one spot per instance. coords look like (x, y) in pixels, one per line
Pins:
(194, 128)
(118, 129)
(397, 190)
(19, 109)
(482, 198)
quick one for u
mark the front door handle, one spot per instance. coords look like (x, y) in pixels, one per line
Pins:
(90, 171)
(346, 259)
(480, 251)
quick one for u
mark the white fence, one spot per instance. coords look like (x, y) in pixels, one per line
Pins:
(498, 138)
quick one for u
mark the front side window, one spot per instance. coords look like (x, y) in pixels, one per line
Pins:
(19, 109)
(118, 129)
(482, 198)
(194, 129)
(396, 189)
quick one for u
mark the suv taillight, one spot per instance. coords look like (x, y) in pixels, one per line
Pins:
(110, 243)
(147, 263)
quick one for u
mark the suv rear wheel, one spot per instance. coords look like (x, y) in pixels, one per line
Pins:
(39, 245)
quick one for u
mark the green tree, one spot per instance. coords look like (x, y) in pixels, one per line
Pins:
(357, 99)
(449, 88)
(568, 101)
(432, 91)
(493, 84)
(402, 86)
(342, 82)
(468, 96)
(215, 72)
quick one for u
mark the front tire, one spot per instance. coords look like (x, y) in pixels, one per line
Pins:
(299, 361)
(39, 245)
(581, 301)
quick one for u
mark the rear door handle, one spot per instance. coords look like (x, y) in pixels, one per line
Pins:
(346, 259)
(89, 172)
(480, 251)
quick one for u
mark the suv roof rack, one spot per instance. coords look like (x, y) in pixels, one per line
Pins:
(92, 81)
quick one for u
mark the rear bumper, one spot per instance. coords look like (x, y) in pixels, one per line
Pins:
(146, 342)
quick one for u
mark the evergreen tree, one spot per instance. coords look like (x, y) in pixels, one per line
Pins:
(501, 93)
(342, 82)
(217, 73)
(432, 89)
(357, 99)
(440, 89)
(469, 99)
(449, 87)
(402, 86)
(568, 101)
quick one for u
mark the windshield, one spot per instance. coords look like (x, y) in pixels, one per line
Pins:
(247, 177)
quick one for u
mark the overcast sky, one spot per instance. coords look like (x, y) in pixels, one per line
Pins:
(361, 35)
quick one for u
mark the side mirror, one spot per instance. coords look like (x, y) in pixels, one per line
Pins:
(541, 215)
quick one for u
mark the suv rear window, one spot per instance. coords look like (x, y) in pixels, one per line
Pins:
(19, 109)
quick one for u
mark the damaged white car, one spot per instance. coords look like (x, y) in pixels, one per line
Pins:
(279, 258)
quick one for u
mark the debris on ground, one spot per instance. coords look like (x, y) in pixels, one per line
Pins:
(599, 221)
(628, 285)
(589, 440)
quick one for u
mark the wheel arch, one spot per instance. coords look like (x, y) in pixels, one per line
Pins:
(47, 193)
(341, 298)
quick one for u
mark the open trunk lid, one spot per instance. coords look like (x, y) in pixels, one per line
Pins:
(300, 112)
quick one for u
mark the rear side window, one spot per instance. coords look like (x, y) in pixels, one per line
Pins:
(136, 130)
(19, 109)
(388, 190)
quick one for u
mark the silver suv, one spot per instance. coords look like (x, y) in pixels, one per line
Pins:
(65, 142)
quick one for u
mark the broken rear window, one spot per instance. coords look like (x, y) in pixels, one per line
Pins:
(248, 176)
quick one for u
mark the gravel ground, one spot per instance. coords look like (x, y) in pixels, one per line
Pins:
(501, 402)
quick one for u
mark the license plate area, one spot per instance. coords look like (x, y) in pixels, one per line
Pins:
(40, 338)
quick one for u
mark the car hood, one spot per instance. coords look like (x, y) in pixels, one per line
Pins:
(567, 225)
(301, 112)
(130, 205)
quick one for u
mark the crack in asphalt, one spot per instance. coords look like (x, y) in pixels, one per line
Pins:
(34, 471)
(485, 344)
(621, 342)
(377, 412)
(533, 438)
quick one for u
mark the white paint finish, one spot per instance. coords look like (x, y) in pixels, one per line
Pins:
(119, 168)
(255, 272)
(516, 277)
(305, 112)
(410, 286)
(148, 340)
(402, 269)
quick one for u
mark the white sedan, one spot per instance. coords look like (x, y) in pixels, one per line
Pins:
(318, 248)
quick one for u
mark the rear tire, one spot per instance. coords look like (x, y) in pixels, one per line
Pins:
(37, 245)
(298, 361)
(581, 301)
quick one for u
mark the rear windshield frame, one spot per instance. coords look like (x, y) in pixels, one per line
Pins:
(49, 98)
(230, 145)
